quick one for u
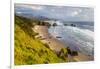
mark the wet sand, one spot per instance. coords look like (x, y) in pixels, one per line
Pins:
(55, 44)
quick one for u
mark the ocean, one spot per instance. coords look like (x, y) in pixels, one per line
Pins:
(79, 37)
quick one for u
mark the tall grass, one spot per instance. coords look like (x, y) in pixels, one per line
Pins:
(29, 50)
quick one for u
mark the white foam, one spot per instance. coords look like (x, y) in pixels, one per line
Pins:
(82, 38)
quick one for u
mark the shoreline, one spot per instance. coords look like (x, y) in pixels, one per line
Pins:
(47, 38)
(55, 44)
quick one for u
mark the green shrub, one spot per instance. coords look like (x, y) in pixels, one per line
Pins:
(69, 50)
(46, 45)
(74, 53)
(63, 54)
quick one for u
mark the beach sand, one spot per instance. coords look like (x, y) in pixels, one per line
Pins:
(57, 45)
(54, 43)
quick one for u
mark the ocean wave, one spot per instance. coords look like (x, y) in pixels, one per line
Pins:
(77, 38)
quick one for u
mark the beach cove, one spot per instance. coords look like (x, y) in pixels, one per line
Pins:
(56, 44)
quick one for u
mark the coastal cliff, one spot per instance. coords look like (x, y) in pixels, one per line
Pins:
(28, 49)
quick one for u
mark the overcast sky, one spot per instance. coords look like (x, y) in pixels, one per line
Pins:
(57, 12)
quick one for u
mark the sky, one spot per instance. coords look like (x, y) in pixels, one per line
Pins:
(66, 13)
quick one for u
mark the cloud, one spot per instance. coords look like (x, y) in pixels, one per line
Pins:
(58, 12)
(76, 12)
(19, 12)
(36, 7)
(80, 10)
(52, 10)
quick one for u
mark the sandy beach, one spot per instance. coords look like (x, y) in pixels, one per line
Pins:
(47, 38)
(55, 44)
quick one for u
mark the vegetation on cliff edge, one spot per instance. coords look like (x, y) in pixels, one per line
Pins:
(29, 50)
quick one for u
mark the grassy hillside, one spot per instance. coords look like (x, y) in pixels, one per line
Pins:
(29, 50)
